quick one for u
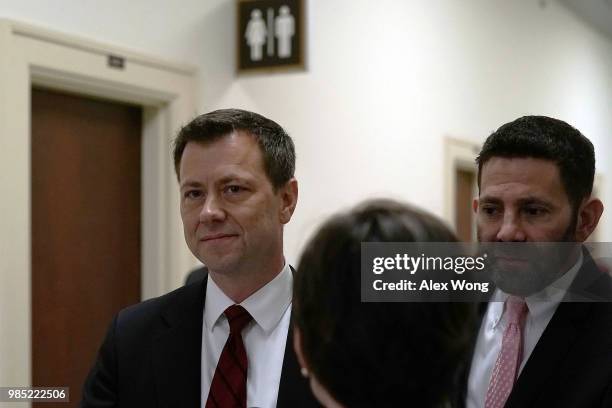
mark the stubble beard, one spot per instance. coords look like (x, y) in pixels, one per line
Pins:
(548, 266)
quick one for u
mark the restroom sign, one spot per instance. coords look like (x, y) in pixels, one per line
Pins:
(270, 34)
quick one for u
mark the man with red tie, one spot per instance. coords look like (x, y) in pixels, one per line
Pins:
(224, 341)
(534, 347)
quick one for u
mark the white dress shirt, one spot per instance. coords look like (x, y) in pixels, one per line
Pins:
(264, 337)
(541, 308)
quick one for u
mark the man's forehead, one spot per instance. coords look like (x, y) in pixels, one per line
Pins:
(526, 170)
(235, 139)
(232, 149)
(493, 197)
(521, 178)
(233, 157)
(222, 174)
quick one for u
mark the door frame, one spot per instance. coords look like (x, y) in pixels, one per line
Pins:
(34, 56)
(458, 154)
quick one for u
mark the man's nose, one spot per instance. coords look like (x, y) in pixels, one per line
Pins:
(212, 210)
(511, 230)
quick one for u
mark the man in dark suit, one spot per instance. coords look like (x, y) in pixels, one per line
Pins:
(538, 347)
(224, 340)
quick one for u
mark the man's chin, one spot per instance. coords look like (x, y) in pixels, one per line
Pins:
(222, 268)
(219, 263)
(520, 290)
(523, 284)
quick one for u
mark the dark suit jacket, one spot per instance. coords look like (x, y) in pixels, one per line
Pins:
(151, 357)
(196, 275)
(571, 365)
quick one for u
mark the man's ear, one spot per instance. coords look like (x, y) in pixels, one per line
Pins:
(589, 214)
(297, 347)
(475, 205)
(288, 196)
(320, 393)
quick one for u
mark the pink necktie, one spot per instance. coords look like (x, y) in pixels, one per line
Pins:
(509, 359)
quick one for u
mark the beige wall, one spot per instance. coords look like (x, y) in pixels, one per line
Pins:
(386, 81)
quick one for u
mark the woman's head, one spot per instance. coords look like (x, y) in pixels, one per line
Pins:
(375, 354)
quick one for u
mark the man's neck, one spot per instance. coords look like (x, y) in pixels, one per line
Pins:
(574, 256)
(239, 286)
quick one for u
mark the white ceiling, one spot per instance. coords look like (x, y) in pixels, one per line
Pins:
(598, 13)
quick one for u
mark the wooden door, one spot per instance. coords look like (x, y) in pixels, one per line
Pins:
(464, 219)
(86, 242)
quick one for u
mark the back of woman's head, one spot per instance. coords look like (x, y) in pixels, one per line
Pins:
(376, 354)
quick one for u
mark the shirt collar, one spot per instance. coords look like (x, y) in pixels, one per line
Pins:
(267, 305)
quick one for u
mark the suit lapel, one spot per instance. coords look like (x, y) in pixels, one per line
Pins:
(293, 390)
(591, 284)
(550, 351)
(177, 350)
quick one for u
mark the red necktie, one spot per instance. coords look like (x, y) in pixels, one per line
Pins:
(228, 387)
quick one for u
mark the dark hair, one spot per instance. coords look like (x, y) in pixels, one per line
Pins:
(376, 354)
(276, 146)
(546, 138)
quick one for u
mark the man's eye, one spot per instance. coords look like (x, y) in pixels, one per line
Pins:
(233, 189)
(534, 211)
(488, 210)
(192, 194)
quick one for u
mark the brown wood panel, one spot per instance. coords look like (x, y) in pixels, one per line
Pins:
(463, 204)
(86, 189)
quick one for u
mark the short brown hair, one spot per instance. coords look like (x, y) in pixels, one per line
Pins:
(276, 146)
